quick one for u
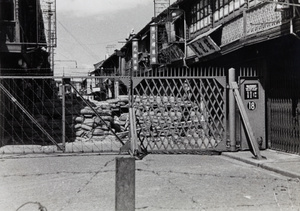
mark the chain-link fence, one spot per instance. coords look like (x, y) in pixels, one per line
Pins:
(56, 114)
(91, 114)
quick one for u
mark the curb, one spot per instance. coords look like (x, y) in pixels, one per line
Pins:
(265, 166)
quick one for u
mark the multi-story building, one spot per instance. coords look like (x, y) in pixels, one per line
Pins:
(23, 46)
(259, 39)
(24, 51)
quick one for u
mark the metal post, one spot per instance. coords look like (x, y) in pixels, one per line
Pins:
(116, 88)
(63, 114)
(116, 80)
(17, 26)
(231, 78)
(125, 184)
(135, 68)
(185, 39)
(49, 44)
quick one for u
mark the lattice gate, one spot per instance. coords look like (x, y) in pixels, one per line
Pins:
(181, 114)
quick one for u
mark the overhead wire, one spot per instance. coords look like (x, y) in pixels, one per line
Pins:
(97, 43)
(84, 47)
(65, 50)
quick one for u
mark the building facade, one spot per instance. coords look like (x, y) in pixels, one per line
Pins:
(258, 39)
(24, 53)
(23, 46)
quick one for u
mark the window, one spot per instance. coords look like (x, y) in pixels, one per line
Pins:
(225, 7)
(6, 10)
(200, 15)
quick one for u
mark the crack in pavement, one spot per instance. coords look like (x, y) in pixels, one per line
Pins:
(191, 197)
(95, 174)
(55, 173)
(60, 172)
(172, 183)
(216, 175)
(87, 183)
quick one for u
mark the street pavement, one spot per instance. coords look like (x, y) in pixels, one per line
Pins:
(231, 181)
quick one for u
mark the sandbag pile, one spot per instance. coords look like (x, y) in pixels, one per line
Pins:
(90, 126)
(169, 116)
(155, 114)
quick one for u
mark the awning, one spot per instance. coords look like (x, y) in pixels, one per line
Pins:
(203, 44)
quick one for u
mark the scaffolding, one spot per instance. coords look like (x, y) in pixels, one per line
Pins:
(48, 8)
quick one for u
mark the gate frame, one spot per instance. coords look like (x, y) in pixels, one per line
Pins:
(205, 73)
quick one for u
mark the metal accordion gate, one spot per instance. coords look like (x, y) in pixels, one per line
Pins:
(181, 114)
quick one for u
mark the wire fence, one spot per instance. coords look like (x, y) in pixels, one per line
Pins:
(91, 114)
(51, 114)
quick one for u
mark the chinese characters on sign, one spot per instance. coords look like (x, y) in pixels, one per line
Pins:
(251, 91)
(204, 46)
(153, 44)
(135, 55)
(172, 53)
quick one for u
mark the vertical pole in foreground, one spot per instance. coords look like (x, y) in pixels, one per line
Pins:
(63, 95)
(231, 78)
(125, 184)
(134, 71)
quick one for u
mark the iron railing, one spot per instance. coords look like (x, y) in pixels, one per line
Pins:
(284, 130)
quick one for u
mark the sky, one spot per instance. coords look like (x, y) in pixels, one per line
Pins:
(89, 29)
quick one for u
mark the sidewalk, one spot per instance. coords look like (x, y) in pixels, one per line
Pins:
(279, 162)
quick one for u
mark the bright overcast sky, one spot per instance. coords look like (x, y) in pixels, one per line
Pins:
(97, 7)
(87, 30)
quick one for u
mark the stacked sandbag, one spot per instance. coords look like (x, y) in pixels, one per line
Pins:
(156, 113)
(88, 124)
(121, 123)
(166, 116)
(113, 118)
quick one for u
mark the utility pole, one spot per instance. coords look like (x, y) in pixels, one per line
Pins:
(50, 14)
(51, 30)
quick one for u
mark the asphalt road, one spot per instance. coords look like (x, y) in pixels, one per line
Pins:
(163, 182)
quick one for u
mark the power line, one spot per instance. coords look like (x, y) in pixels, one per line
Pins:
(66, 57)
(80, 43)
(67, 51)
(97, 43)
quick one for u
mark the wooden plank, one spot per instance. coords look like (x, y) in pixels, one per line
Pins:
(254, 144)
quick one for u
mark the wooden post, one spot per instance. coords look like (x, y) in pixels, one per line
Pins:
(245, 118)
(125, 184)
